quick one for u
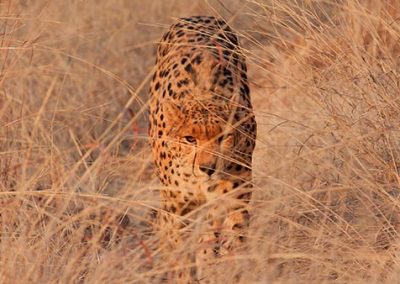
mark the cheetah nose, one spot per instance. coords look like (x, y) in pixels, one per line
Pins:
(208, 169)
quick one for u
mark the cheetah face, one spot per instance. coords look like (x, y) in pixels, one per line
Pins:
(204, 150)
(199, 146)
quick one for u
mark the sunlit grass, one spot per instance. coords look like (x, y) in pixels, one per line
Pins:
(77, 189)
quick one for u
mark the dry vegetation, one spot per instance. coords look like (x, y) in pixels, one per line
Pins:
(77, 190)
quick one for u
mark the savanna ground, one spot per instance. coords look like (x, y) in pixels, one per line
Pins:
(77, 188)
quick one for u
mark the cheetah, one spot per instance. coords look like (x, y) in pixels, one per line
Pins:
(202, 131)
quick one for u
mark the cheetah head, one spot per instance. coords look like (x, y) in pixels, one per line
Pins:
(202, 139)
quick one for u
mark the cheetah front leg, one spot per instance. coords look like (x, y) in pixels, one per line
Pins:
(227, 226)
(174, 230)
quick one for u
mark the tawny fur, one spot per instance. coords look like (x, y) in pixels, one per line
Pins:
(202, 131)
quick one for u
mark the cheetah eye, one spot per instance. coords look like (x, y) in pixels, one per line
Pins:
(189, 139)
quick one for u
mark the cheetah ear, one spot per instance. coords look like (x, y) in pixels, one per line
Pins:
(172, 111)
(202, 75)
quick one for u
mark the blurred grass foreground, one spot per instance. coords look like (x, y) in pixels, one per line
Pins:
(77, 189)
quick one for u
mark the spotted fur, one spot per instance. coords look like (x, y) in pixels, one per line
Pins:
(203, 130)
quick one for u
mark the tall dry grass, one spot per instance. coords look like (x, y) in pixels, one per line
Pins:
(77, 190)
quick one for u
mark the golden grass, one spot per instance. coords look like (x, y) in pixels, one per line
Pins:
(76, 182)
